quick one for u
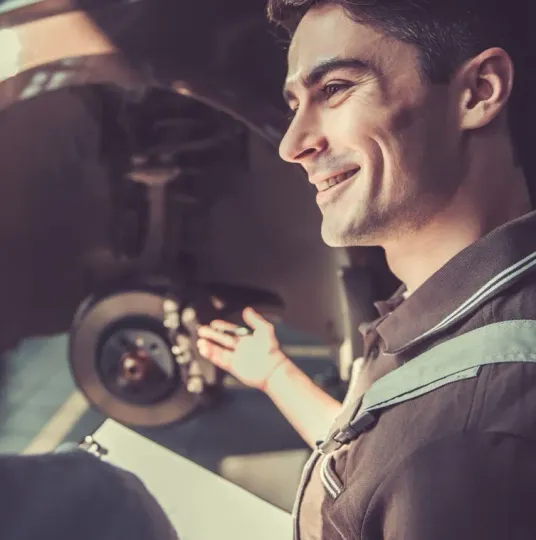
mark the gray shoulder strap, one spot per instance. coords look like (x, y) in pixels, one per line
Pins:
(454, 360)
(458, 358)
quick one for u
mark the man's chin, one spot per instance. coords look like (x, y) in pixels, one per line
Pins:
(341, 237)
(334, 237)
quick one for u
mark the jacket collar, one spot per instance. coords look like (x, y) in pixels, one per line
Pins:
(460, 287)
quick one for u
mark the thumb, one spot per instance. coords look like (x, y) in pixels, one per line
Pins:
(254, 320)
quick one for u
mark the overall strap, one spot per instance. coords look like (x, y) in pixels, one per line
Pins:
(457, 359)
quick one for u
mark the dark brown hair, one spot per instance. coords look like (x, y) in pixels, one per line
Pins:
(446, 33)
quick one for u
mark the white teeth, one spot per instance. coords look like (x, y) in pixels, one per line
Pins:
(334, 180)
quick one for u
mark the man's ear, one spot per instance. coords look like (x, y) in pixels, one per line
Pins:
(486, 83)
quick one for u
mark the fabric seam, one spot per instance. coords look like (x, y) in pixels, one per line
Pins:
(475, 409)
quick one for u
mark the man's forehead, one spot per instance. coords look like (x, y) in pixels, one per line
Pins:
(327, 32)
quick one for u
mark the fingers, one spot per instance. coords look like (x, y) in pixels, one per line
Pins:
(233, 329)
(217, 336)
(219, 356)
(256, 321)
(223, 326)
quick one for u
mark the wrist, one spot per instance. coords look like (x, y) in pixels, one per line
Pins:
(280, 360)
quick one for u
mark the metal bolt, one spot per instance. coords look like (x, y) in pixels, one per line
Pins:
(195, 385)
(170, 306)
(218, 303)
(183, 359)
(171, 320)
(130, 363)
(188, 315)
(195, 370)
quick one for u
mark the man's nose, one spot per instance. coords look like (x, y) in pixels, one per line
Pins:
(302, 141)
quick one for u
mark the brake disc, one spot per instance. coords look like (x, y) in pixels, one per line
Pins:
(121, 359)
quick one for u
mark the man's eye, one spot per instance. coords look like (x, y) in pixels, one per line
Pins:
(331, 89)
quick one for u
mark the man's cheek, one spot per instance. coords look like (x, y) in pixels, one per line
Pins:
(350, 129)
(403, 120)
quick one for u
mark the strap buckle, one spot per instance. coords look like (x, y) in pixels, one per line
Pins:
(358, 425)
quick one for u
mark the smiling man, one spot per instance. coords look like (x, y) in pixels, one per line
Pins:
(401, 140)
(407, 118)
(411, 119)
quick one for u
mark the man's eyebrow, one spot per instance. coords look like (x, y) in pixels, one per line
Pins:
(323, 68)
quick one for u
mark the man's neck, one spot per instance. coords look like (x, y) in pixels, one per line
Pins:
(416, 256)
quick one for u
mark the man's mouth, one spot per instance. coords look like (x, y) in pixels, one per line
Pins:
(334, 180)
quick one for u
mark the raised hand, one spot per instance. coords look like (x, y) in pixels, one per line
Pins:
(251, 358)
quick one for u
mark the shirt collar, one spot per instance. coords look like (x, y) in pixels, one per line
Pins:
(385, 307)
(479, 272)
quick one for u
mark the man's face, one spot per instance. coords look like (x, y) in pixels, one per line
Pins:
(365, 114)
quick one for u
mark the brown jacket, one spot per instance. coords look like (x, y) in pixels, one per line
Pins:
(458, 463)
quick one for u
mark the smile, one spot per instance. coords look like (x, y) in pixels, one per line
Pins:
(334, 180)
(330, 190)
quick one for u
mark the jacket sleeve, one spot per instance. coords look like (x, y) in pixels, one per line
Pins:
(466, 487)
